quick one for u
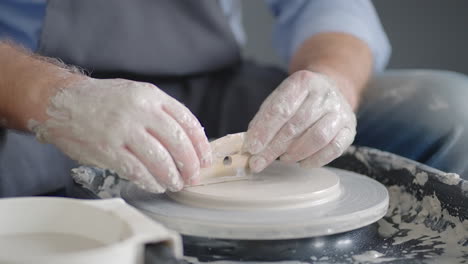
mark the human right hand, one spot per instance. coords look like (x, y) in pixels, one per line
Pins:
(132, 128)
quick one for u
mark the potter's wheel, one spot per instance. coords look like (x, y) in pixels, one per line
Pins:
(282, 202)
(409, 233)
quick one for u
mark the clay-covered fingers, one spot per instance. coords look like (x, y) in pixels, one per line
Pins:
(131, 127)
(301, 119)
(314, 138)
(136, 171)
(175, 140)
(305, 116)
(192, 128)
(333, 150)
(156, 159)
(275, 111)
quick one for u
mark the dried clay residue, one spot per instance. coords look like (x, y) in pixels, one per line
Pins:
(424, 229)
(100, 182)
(420, 178)
(193, 260)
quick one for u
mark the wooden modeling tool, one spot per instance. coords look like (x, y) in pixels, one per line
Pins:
(229, 162)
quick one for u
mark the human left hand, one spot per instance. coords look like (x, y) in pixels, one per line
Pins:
(306, 120)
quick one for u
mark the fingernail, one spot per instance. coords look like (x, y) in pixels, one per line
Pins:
(194, 181)
(312, 163)
(257, 163)
(151, 186)
(306, 165)
(176, 186)
(175, 183)
(206, 161)
(194, 178)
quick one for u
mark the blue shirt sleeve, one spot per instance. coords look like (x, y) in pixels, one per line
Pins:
(298, 20)
(21, 21)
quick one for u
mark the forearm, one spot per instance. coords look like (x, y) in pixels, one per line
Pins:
(27, 82)
(343, 57)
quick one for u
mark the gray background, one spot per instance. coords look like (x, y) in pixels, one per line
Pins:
(423, 33)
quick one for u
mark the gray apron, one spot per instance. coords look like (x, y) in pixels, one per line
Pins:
(146, 37)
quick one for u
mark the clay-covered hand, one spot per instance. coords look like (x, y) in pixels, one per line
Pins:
(132, 128)
(306, 119)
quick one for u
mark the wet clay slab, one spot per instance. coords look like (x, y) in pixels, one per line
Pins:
(280, 186)
(287, 202)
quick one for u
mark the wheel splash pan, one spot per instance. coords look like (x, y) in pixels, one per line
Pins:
(427, 220)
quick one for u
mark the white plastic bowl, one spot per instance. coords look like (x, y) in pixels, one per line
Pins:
(64, 230)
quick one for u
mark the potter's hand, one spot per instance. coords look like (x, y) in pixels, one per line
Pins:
(130, 127)
(306, 119)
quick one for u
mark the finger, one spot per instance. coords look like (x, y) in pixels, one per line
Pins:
(137, 172)
(193, 129)
(337, 146)
(156, 159)
(260, 161)
(275, 111)
(305, 116)
(314, 138)
(174, 139)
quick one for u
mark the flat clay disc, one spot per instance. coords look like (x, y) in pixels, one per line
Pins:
(361, 201)
(279, 186)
